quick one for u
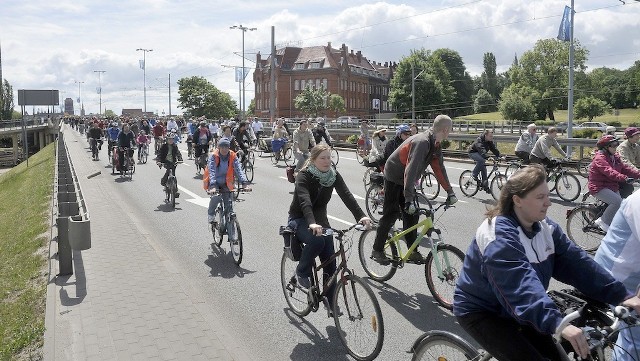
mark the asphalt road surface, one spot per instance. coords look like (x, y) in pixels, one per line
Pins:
(247, 301)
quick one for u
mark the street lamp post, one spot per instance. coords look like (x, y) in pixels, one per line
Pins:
(144, 73)
(79, 95)
(100, 72)
(244, 30)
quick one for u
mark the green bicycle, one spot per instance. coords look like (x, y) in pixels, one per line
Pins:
(442, 264)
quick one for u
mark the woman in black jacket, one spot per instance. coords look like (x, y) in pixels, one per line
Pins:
(308, 211)
(479, 152)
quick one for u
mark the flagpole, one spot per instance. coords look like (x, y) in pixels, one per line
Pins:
(570, 101)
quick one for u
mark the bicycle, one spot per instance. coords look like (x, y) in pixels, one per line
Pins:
(513, 166)
(353, 300)
(128, 166)
(171, 187)
(566, 185)
(374, 197)
(584, 164)
(93, 144)
(428, 185)
(442, 264)
(362, 150)
(284, 152)
(227, 224)
(247, 165)
(159, 141)
(581, 227)
(495, 179)
(143, 154)
(201, 161)
(335, 156)
(598, 322)
(190, 150)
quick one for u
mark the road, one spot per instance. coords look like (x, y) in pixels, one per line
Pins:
(247, 301)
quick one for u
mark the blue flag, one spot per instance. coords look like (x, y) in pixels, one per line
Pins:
(564, 33)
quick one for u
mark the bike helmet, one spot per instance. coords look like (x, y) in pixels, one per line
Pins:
(606, 141)
(402, 128)
(610, 130)
(631, 131)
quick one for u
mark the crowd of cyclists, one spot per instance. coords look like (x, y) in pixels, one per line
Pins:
(500, 297)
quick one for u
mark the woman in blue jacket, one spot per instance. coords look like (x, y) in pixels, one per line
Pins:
(500, 298)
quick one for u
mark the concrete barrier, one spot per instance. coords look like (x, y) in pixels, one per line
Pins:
(79, 233)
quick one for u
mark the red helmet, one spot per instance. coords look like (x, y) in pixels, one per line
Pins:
(607, 140)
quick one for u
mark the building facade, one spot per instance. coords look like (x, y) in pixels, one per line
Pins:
(363, 84)
(68, 106)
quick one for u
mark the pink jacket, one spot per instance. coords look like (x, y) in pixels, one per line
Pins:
(607, 171)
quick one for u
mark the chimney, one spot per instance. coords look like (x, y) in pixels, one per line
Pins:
(329, 45)
(258, 58)
(351, 51)
(386, 64)
(359, 55)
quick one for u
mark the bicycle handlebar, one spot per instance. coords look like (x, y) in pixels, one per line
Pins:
(329, 231)
(215, 192)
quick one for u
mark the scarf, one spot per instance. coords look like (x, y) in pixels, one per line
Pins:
(326, 178)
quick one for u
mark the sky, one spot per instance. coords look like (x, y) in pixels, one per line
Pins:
(61, 44)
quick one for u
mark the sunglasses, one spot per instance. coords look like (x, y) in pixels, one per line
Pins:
(614, 145)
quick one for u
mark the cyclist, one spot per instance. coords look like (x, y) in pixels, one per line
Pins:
(141, 140)
(610, 130)
(169, 155)
(500, 297)
(223, 164)
(214, 129)
(403, 132)
(243, 140)
(629, 150)
(308, 213)
(158, 133)
(302, 141)
(619, 253)
(203, 138)
(146, 127)
(172, 124)
(320, 132)
(95, 135)
(126, 140)
(112, 137)
(541, 152)
(405, 165)
(606, 173)
(479, 152)
(364, 141)
(414, 128)
(378, 144)
(526, 142)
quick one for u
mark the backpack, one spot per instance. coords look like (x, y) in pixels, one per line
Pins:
(205, 178)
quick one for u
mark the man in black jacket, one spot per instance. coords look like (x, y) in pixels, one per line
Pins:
(169, 155)
(126, 140)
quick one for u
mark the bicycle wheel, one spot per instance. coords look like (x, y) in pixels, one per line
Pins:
(172, 192)
(361, 327)
(468, 185)
(295, 296)
(496, 185)
(236, 191)
(219, 234)
(568, 187)
(366, 178)
(374, 200)
(429, 186)
(248, 170)
(444, 345)
(236, 244)
(288, 156)
(360, 155)
(583, 166)
(375, 270)
(581, 228)
(335, 156)
(251, 156)
(275, 157)
(145, 156)
(450, 260)
(511, 168)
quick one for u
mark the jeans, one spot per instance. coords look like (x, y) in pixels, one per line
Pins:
(301, 157)
(393, 207)
(613, 200)
(225, 196)
(315, 246)
(121, 157)
(480, 166)
(507, 340)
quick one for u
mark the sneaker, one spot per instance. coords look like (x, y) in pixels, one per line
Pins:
(304, 282)
(177, 194)
(380, 257)
(211, 219)
(416, 257)
(600, 223)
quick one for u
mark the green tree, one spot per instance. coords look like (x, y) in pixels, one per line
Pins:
(311, 101)
(336, 103)
(545, 68)
(108, 113)
(433, 90)
(201, 98)
(460, 80)
(489, 78)
(252, 108)
(517, 103)
(6, 101)
(484, 102)
(590, 107)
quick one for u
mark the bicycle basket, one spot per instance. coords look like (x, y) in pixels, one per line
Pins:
(292, 247)
(377, 178)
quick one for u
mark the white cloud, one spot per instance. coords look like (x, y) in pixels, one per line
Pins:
(52, 44)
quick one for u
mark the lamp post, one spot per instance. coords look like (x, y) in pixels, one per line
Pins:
(100, 86)
(79, 96)
(244, 30)
(144, 73)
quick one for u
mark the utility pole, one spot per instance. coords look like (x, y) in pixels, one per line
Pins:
(144, 74)
(169, 94)
(272, 91)
(100, 72)
(244, 30)
(79, 96)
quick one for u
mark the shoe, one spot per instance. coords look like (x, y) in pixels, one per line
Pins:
(304, 282)
(164, 184)
(600, 223)
(416, 257)
(211, 219)
(177, 194)
(380, 257)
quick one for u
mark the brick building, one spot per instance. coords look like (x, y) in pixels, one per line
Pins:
(363, 84)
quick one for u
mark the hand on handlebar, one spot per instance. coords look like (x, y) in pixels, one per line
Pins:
(577, 339)
(409, 208)
(212, 191)
(316, 229)
(366, 222)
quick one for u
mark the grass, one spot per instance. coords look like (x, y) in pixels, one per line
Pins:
(625, 117)
(26, 195)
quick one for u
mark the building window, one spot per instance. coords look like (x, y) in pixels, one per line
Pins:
(298, 66)
(296, 84)
(302, 84)
(317, 83)
(314, 65)
(325, 84)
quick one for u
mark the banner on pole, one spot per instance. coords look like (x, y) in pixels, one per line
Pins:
(239, 75)
(564, 33)
(141, 64)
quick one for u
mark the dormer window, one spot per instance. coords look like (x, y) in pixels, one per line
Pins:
(298, 66)
(314, 65)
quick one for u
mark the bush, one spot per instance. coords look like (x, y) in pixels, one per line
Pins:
(352, 139)
(484, 102)
(587, 133)
(445, 144)
(615, 123)
(634, 124)
(514, 105)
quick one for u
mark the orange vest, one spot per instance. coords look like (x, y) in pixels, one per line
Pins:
(230, 169)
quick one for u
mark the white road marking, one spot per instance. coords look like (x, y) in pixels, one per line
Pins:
(201, 201)
(340, 220)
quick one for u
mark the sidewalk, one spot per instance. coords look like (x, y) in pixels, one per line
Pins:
(126, 300)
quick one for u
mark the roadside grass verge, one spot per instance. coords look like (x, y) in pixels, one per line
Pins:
(25, 194)
(625, 117)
